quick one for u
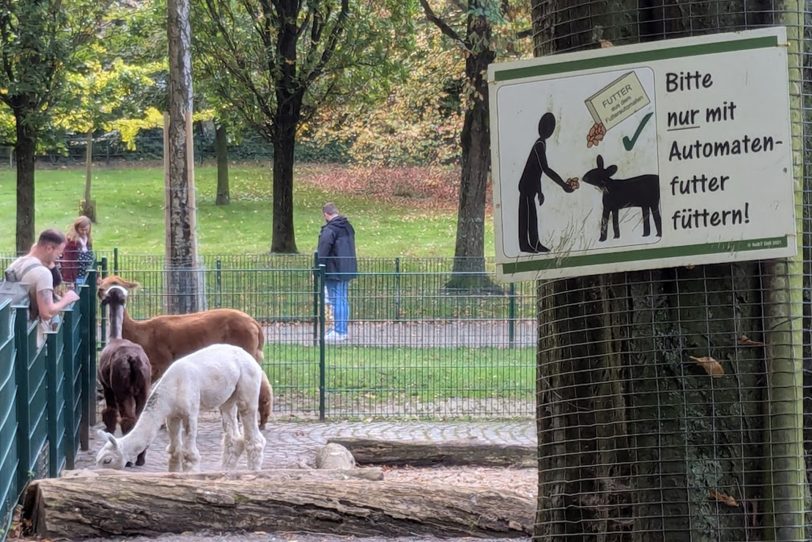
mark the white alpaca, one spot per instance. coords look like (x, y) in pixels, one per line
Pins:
(219, 376)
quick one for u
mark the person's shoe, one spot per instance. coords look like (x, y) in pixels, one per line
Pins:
(334, 337)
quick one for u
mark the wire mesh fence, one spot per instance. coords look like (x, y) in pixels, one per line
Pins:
(669, 401)
(418, 347)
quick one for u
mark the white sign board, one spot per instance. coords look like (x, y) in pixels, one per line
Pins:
(644, 156)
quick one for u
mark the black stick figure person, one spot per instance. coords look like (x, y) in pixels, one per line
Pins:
(530, 187)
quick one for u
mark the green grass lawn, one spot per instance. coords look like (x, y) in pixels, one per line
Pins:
(427, 373)
(130, 212)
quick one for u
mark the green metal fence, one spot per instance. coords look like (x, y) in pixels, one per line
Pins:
(417, 349)
(46, 396)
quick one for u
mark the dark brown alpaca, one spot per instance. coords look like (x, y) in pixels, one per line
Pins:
(124, 372)
(169, 337)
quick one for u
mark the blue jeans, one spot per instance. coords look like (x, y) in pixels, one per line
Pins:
(337, 298)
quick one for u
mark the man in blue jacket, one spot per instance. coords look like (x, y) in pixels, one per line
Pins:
(337, 253)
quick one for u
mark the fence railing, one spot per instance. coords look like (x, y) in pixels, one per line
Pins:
(418, 346)
(46, 396)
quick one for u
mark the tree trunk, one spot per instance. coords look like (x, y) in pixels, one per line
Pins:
(183, 281)
(283, 239)
(25, 148)
(446, 454)
(469, 250)
(88, 207)
(64, 508)
(221, 150)
(634, 437)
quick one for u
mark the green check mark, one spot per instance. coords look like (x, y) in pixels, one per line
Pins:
(629, 143)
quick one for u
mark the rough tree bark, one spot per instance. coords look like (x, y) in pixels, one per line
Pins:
(634, 438)
(88, 206)
(64, 507)
(183, 282)
(24, 149)
(221, 150)
(469, 250)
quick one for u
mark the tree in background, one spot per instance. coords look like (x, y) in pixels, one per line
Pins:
(276, 62)
(40, 41)
(412, 119)
(102, 90)
(478, 44)
(181, 211)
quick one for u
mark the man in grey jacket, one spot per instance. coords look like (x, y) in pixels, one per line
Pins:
(337, 252)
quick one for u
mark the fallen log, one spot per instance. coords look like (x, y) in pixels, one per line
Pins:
(132, 505)
(279, 475)
(438, 453)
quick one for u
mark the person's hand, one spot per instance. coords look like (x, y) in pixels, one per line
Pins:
(71, 296)
(571, 184)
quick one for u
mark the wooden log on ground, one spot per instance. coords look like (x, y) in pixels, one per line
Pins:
(443, 453)
(150, 505)
(279, 475)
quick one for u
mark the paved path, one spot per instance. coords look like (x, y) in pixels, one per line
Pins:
(289, 444)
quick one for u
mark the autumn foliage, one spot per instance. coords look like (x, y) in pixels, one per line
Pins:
(424, 187)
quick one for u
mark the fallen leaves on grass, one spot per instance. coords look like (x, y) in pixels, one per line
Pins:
(419, 187)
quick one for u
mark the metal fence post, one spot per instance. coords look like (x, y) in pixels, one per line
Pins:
(316, 298)
(103, 319)
(512, 314)
(115, 261)
(322, 360)
(21, 364)
(397, 289)
(87, 303)
(53, 380)
(218, 283)
(69, 357)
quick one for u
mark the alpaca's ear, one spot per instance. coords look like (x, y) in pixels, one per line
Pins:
(611, 170)
(600, 161)
(130, 285)
(104, 435)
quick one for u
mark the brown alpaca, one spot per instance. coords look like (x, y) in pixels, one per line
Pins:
(124, 372)
(169, 337)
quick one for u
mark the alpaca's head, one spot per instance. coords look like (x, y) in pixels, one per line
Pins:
(115, 295)
(111, 455)
(113, 280)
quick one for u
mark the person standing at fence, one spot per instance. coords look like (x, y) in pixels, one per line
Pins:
(34, 272)
(78, 255)
(337, 252)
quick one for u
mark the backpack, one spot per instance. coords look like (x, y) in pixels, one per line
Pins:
(12, 288)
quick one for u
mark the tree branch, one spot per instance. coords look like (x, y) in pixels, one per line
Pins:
(441, 24)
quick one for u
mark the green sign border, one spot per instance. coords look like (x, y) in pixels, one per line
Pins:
(508, 74)
(645, 254)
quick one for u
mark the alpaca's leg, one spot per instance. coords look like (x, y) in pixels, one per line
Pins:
(175, 448)
(265, 401)
(191, 455)
(126, 408)
(233, 443)
(110, 412)
(254, 441)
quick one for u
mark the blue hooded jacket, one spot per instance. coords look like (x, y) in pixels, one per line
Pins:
(337, 249)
